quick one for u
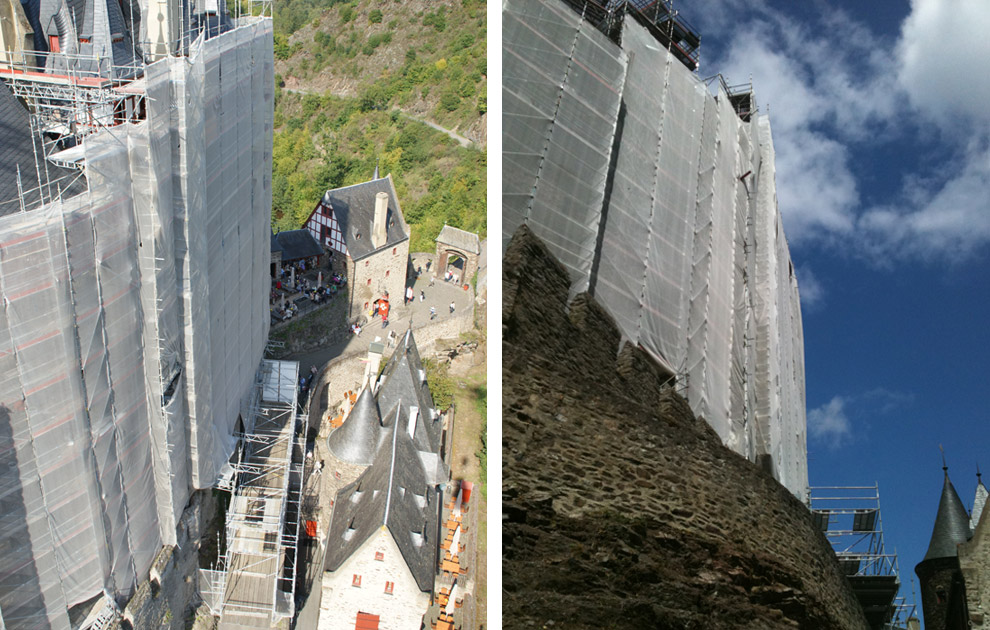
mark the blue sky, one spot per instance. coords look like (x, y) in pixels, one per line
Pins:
(881, 119)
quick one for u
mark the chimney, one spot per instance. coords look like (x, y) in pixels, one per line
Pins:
(379, 233)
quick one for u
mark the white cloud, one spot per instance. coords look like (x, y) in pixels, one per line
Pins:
(834, 89)
(829, 423)
(949, 222)
(943, 56)
(810, 288)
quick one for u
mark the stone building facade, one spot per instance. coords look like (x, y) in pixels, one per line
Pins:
(363, 224)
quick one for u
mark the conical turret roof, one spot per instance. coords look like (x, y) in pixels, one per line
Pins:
(356, 440)
(951, 524)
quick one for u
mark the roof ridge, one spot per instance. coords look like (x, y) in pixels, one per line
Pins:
(391, 472)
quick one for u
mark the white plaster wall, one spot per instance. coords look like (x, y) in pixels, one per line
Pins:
(341, 601)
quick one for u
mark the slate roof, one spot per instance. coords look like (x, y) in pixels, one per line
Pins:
(951, 524)
(354, 208)
(398, 490)
(16, 149)
(404, 381)
(98, 21)
(460, 239)
(357, 440)
(296, 244)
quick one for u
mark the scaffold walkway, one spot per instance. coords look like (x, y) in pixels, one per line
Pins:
(253, 584)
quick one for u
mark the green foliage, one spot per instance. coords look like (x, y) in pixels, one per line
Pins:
(374, 41)
(281, 46)
(450, 101)
(441, 385)
(324, 141)
(437, 19)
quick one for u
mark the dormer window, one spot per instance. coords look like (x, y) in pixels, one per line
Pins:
(380, 556)
(417, 538)
(356, 580)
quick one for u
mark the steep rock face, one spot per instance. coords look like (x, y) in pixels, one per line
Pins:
(620, 508)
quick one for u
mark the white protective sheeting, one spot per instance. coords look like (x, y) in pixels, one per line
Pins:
(561, 87)
(681, 236)
(135, 316)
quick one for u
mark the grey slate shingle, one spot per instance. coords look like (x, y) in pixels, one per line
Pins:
(354, 207)
(16, 149)
(399, 488)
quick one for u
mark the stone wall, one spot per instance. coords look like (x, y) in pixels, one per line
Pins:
(974, 560)
(387, 271)
(622, 509)
(170, 598)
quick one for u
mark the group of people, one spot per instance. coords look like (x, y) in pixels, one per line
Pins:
(282, 314)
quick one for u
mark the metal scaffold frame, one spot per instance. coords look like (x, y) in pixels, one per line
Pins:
(256, 573)
(849, 516)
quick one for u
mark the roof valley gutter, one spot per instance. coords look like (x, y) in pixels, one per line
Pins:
(391, 472)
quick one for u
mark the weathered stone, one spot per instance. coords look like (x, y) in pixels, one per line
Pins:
(631, 513)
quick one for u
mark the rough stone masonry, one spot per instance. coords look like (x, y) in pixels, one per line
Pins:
(620, 508)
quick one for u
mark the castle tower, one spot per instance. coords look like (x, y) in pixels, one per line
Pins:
(943, 593)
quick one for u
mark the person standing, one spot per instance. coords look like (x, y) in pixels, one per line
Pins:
(452, 307)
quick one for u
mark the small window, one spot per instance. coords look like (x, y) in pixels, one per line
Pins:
(389, 586)
(369, 282)
(394, 250)
(379, 555)
(386, 273)
(367, 262)
(358, 236)
(356, 581)
(366, 305)
(53, 44)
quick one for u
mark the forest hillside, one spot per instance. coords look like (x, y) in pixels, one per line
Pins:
(401, 84)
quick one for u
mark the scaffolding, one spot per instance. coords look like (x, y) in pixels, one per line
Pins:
(135, 314)
(656, 191)
(849, 516)
(72, 96)
(665, 24)
(255, 576)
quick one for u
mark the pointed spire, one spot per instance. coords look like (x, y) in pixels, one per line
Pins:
(377, 160)
(951, 523)
(979, 501)
(357, 439)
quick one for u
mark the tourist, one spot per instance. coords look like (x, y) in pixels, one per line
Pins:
(433, 312)
(410, 296)
(451, 307)
(422, 296)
